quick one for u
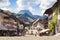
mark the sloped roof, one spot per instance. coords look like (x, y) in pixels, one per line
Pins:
(36, 21)
(50, 10)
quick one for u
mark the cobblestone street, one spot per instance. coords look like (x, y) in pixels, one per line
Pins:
(30, 37)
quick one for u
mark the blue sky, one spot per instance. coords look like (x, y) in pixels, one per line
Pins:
(13, 4)
(36, 7)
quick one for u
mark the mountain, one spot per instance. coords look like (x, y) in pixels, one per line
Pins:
(26, 12)
(37, 16)
(40, 17)
(26, 15)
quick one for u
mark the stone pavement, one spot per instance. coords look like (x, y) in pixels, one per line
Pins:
(30, 37)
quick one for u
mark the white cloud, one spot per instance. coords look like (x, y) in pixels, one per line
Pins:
(37, 12)
(45, 4)
(21, 5)
(5, 8)
(4, 3)
(37, 7)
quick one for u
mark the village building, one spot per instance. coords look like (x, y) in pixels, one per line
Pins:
(51, 15)
(9, 24)
(58, 23)
(38, 25)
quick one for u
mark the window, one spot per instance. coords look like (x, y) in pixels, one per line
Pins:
(6, 17)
